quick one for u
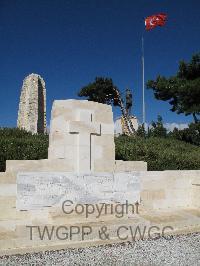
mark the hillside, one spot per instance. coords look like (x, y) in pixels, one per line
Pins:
(159, 153)
(18, 144)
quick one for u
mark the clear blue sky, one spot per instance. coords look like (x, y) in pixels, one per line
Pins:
(71, 42)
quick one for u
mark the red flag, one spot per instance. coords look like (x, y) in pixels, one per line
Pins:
(155, 20)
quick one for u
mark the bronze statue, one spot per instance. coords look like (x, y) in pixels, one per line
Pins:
(129, 101)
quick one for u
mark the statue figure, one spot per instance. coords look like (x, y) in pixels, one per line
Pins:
(129, 101)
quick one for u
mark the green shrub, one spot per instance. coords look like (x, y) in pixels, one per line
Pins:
(159, 153)
(16, 144)
(141, 132)
(190, 135)
(157, 129)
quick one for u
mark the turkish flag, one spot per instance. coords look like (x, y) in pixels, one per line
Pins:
(155, 20)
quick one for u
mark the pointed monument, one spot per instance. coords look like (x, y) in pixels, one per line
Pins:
(32, 106)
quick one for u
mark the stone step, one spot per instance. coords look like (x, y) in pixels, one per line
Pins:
(184, 219)
(21, 245)
(7, 178)
(17, 238)
(22, 237)
(95, 212)
(13, 214)
(58, 214)
(8, 201)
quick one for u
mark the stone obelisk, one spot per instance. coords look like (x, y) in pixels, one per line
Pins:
(32, 106)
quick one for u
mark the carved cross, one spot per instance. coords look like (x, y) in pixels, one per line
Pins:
(85, 128)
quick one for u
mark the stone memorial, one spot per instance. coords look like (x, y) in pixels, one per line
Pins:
(81, 167)
(82, 139)
(32, 105)
(82, 133)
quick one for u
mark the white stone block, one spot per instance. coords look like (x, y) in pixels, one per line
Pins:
(8, 190)
(38, 190)
(86, 124)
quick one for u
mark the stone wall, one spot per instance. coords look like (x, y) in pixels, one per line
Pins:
(32, 106)
(170, 189)
(196, 190)
(166, 198)
(156, 190)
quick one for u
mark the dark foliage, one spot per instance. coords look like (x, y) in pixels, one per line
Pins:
(157, 129)
(141, 131)
(102, 90)
(16, 144)
(159, 153)
(182, 91)
(190, 135)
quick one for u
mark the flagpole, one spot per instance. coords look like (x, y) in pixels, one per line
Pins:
(143, 94)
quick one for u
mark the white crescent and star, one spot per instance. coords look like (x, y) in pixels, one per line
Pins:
(150, 22)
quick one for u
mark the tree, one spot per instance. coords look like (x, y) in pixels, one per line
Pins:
(158, 129)
(181, 91)
(141, 132)
(190, 134)
(102, 90)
